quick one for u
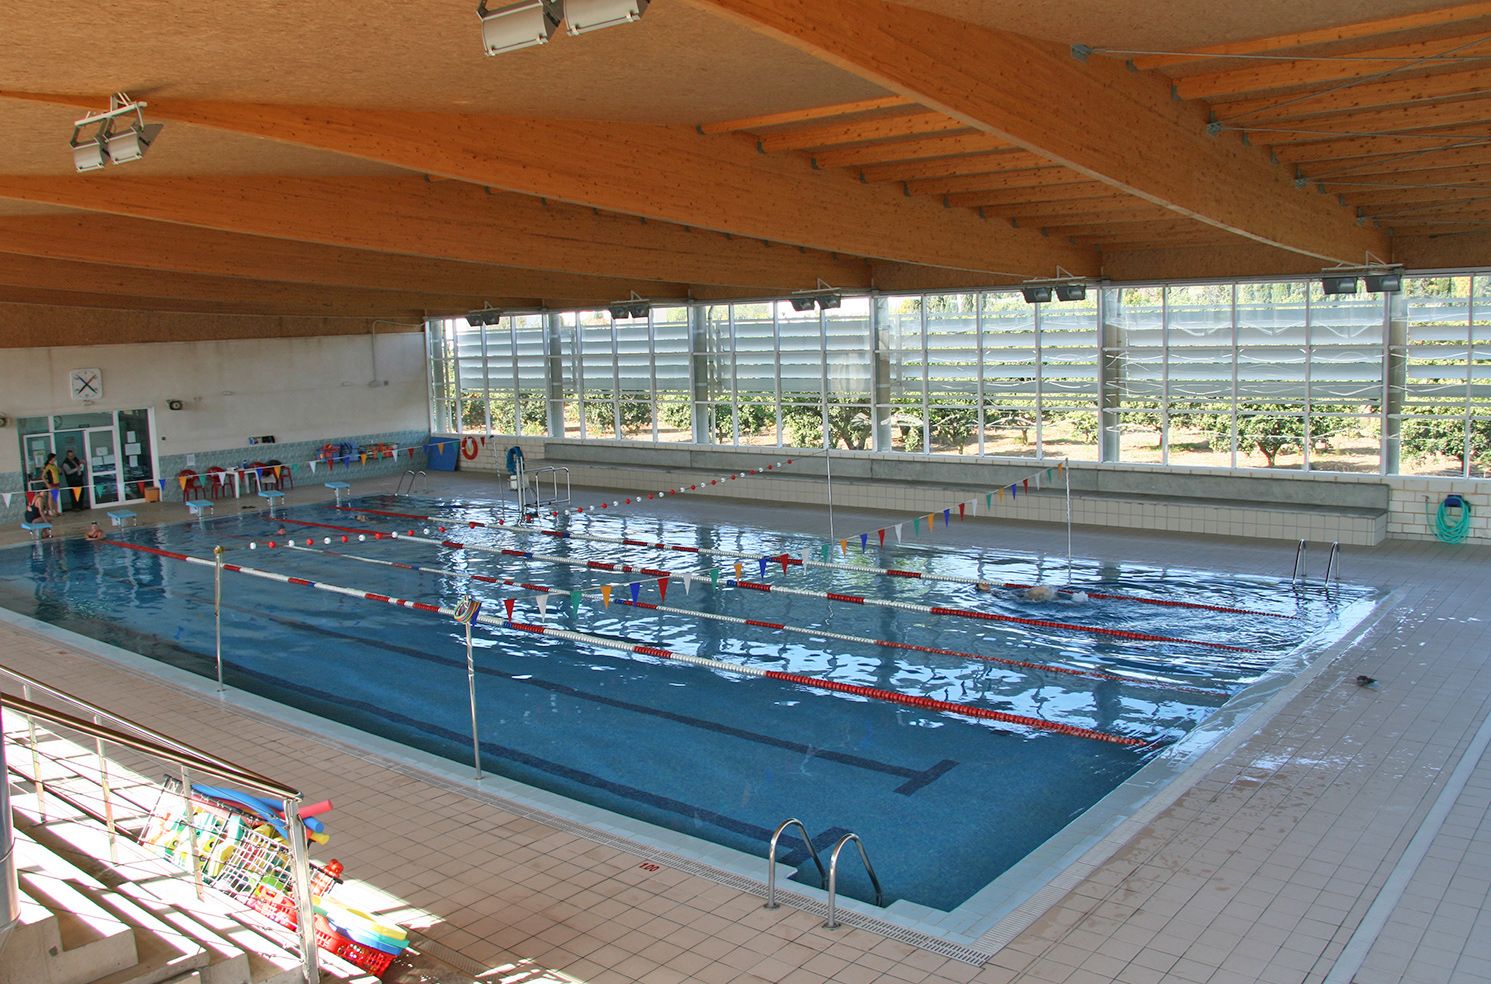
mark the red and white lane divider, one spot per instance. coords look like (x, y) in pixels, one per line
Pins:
(627, 646)
(937, 610)
(800, 630)
(653, 574)
(804, 561)
(982, 616)
(694, 487)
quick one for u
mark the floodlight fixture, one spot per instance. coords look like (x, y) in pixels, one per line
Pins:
(823, 297)
(1063, 286)
(485, 316)
(1380, 277)
(1384, 283)
(581, 16)
(518, 25)
(635, 306)
(131, 143)
(111, 137)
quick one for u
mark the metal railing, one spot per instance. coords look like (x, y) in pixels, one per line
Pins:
(129, 734)
(771, 859)
(1300, 553)
(833, 877)
(536, 478)
(1333, 565)
(414, 485)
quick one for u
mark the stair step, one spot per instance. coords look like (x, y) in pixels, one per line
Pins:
(65, 938)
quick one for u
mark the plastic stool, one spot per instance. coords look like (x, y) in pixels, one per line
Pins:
(118, 517)
(198, 506)
(338, 488)
(37, 529)
(273, 498)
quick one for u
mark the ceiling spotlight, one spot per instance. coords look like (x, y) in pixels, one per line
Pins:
(1338, 285)
(487, 316)
(1384, 283)
(518, 25)
(108, 137)
(592, 15)
(1063, 286)
(131, 143)
(823, 296)
(635, 306)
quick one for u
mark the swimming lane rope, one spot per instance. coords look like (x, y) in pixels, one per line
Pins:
(800, 630)
(936, 610)
(793, 561)
(626, 645)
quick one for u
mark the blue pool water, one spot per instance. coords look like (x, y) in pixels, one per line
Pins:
(944, 802)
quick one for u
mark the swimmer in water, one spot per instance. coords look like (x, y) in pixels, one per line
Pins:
(1041, 592)
(94, 533)
(363, 518)
(983, 586)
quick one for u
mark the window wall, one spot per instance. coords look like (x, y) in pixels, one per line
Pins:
(1254, 375)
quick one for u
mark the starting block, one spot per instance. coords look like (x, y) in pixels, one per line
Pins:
(273, 498)
(37, 529)
(199, 507)
(123, 517)
(338, 488)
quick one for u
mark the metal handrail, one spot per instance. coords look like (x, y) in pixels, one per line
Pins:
(1333, 565)
(218, 766)
(399, 489)
(140, 738)
(413, 485)
(833, 877)
(1300, 553)
(771, 859)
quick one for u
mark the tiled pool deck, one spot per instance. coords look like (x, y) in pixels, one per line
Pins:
(1349, 809)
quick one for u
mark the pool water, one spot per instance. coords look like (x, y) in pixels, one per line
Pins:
(944, 802)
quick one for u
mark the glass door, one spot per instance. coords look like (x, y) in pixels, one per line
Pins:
(103, 467)
(38, 446)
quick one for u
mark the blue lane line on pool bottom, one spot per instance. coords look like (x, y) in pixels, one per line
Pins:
(916, 779)
(664, 803)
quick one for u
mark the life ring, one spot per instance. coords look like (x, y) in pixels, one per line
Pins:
(469, 448)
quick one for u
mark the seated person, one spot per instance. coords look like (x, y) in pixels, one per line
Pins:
(36, 512)
(94, 533)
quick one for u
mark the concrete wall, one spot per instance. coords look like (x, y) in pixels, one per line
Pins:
(304, 391)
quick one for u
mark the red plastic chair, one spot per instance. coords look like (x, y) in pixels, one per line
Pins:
(191, 485)
(216, 482)
(278, 468)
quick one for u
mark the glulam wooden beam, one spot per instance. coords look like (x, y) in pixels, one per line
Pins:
(994, 162)
(669, 174)
(1275, 76)
(231, 293)
(1095, 116)
(1400, 120)
(1327, 35)
(859, 131)
(1023, 181)
(1419, 165)
(753, 123)
(173, 248)
(450, 220)
(1419, 90)
(911, 150)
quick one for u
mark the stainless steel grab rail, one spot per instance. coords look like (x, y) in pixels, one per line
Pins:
(1300, 553)
(1333, 565)
(833, 877)
(771, 859)
(140, 738)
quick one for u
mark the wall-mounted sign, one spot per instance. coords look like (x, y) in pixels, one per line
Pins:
(86, 385)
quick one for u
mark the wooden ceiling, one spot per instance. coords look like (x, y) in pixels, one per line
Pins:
(368, 162)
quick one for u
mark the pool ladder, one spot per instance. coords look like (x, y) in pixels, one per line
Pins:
(413, 477)
(829, 879)
(1332, 565)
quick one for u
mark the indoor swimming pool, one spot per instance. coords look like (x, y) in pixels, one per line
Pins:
(954, 729)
